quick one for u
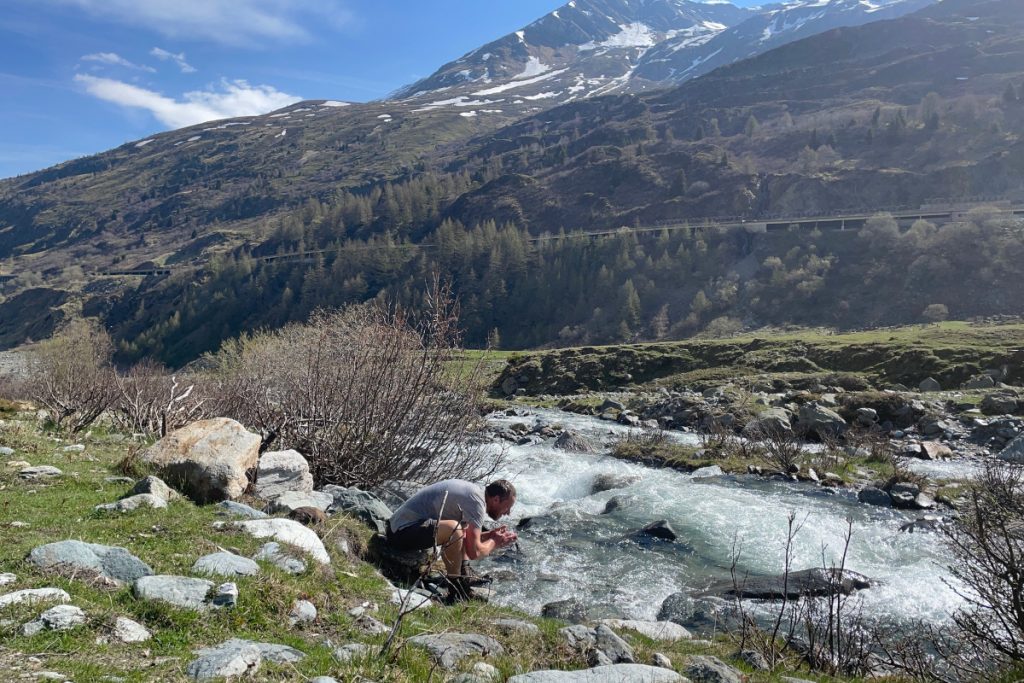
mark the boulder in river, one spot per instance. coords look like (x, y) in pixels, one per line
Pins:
(814, 582)
(610, 480)
(659, 529)
(874, 496)
(574, 442)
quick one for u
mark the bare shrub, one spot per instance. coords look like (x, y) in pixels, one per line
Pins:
(71, 375)
(778, 448)
(154, 402)
(366, 394)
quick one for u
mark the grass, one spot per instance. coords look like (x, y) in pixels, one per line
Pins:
(171, 540)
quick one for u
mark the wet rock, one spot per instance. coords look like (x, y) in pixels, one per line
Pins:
(659, 529)
(207, 460)
(225, 564)
(706, 669)
(302, 611)
(180, 591)
(613, 504)
(127, 631)
(236, 509)
(614, 673)
(805, 582)
(573, 442)
(571, 610)
(277, 555)
(110, 562)
(237, 658)
(292, 500)
(280, 472)
(362, 505)
(132, 503)
(284, 531)
(32, 596)
(610, 481)
(874, 496)
(923, 524)
(39, 473)
(448, 649)
(706, 472)
(154, 486)
(664, 631)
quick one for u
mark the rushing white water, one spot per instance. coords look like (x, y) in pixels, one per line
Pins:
(584, 555)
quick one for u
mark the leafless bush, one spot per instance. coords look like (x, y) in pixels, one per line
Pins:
(367, 394)
(717, 439)
(72, 377)
(153, 401)
(779, 448)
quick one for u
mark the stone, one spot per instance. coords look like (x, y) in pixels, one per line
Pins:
(448, 649)
(867, 416)
(659, 529)
(664, 631)
(1014, 451)
(280, 472)
(510, 626)
(596, 658)
(225, 564)
(571, 610)
(286, 531)
(292, 500)
(707, 669)
(7, 578)
(774, 421)
(180, 591)
(578, 636)
(614, 647)
(59, 618)
(39, 473)
(133, 503)
(111, 562)
(820, 420)
(802, 583)
(661, 661)
(409, 601)
(610, 481)
(614, 673)
(999, 404)
(933, 450)
(6, 451)
(572, 441)
(980, 382)
(302, 611)
(706, 472)
(346, 653)
(874, 496)
(238, 657)
(362, 505)
(155, 486)
(127, 631)
(276, 555)
(225, 595)
(753, 659)
(929, 384)
(230, 507)
(370, 626)
(31, 596)
(207, 460)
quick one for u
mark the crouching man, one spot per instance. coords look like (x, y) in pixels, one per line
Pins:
(450, 514)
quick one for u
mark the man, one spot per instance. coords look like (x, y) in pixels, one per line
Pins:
(450, 514)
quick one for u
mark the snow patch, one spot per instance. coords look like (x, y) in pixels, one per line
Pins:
(193, 138)
(143, 143)
(467, 114)
(629, 35)
(384, 116)
(542, 96)
(335, 103)
(284, 131)
(519, 84)
(521, 35)
(533, 67)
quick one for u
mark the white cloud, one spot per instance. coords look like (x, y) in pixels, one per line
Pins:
(179, 59)
(234, 22)
(233, 98)
(114, 59)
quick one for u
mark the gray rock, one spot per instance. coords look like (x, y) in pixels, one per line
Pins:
(770, 422)
(207, 460)
(615, 673)
(706, 472)
(805, 582)
(571, 610)
(482, 673)
(706, 669)
(59, 618)
(133, 503)
(302, 611)
(614, 647)
(291, 500)
(664, 631)
(579, 637)
(6, 451)
(874, 496)
(448, 649)
(226, 595)
(346, 653)
(111, 562)
(510, 626)
(237, 657)
(790, 679)
(7, 578)
(753, 659)
(280, 472)
(572, 441)
(661, 661)
(127, 631)
(659, 529)
(231, 507)
(154, 486)
(370, 626)
(999, 404)
(1014, 451)
(180, 591)
(39, 473)
(980, 382)
(867, 416)
(610, 481)
(361, 505)
(596, 658)
(225, 564)
(275, 554)
(609, 404)
(820, 420)
(284, 531)
(118, 480)
(31, 596)
(929, 384)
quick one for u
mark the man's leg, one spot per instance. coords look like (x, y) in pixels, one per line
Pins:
(450, 537)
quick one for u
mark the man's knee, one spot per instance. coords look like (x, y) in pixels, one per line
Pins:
(449, 531)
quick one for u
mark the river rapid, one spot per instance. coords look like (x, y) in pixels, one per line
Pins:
(581, 553)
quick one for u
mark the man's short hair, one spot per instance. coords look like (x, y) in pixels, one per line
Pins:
(502, 488)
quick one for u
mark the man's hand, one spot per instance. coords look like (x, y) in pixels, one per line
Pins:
(503, 537)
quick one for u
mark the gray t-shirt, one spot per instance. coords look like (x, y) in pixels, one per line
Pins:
(465, 502)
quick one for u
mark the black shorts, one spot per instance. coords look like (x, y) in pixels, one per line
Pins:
(417, 536)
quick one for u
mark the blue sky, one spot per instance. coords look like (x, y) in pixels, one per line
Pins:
(83, 76)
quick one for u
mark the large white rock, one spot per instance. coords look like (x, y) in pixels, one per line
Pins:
(613, 673)
(207, 460)
(280, 472)
(291, 500)
(128, 631)
(180, 591)
(284, 531)
(34, 595)
(666, 631)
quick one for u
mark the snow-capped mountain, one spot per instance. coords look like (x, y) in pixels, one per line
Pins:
(679, 59)
(594, 47)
